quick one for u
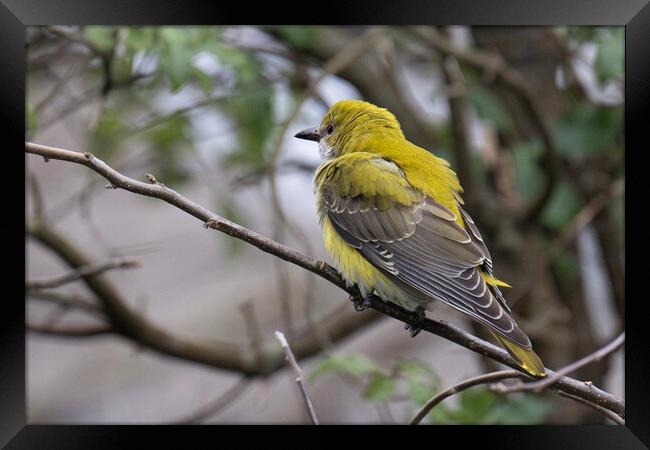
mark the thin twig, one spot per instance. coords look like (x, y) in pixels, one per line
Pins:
(219, 404)
(584, 218)
(70, 331)
(540, 385)
(605, 412)
(299, 379)
(37, 196)
(481, 379)
(82, 272)
(68, 301)
(163, 342)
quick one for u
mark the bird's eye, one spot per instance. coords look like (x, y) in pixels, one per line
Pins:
(330, 129)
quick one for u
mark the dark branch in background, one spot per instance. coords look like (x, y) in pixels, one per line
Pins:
(498, 71)
(68, 301)
(70, 331)
(128, 323)
(299, 379)
(458, 111)
(82, 272)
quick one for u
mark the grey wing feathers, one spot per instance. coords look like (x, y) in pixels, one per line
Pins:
(422, 249)
(487, 264)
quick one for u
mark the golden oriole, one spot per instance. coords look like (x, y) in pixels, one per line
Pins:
(393, 222)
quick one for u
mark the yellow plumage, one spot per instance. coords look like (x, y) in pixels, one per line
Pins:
(392, 219)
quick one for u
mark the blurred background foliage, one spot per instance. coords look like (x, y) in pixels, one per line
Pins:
(227, 98)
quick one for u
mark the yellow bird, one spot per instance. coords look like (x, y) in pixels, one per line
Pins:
(393, 222)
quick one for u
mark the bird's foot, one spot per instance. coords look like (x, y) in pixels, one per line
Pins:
(414, 329)
(362, 305)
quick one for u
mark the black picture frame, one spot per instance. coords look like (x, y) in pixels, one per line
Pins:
(15, 15)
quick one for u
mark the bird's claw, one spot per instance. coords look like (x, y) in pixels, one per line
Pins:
(414, 329)
(362, 305)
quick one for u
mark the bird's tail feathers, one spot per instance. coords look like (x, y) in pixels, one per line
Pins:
(526, 358)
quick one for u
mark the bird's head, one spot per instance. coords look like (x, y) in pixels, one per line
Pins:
(348, 124)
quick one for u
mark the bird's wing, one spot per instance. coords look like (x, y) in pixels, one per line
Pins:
(414, 240)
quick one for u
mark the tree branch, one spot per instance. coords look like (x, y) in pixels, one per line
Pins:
(68, 301)
(82, 272)
(250, 359)
(296, 368)
(132, 325)
(70, 331)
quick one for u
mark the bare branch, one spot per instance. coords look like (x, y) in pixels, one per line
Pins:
(82, 272)
(299, 380)
(223, 401)
(458, 110)
(605, 412)
(68, 301)
(70, 331)
(584, 217)
(134, 327)
(540, 385)
(245, 359)
(481, 379)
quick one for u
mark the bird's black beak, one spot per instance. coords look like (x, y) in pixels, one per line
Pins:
(310, 134)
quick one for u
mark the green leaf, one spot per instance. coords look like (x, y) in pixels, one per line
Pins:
(380, 389)
(475, 405)
(528, 177)
(174, 57)
(353, 364)
(440, 414)
(101, 36)
(489, 109)
(141, 38)
(419, 392)
(414, 368)
(168, 133)
(169, 140)
(617, 211)
(443, 139)
(299, 36)
(422, 382)
(564, 204)
(253, 111)
(567, 268)
(588, 129)
(30, 120)
(519, 410)
(610, 57)
(105, 137)
(204, 79)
